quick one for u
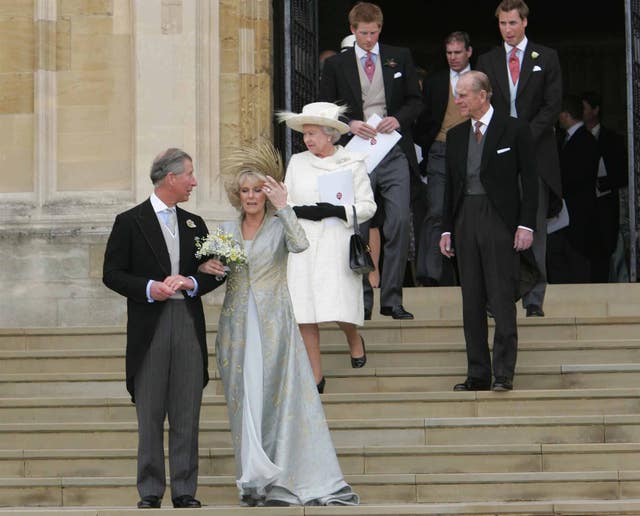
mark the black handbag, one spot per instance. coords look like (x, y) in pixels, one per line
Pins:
(359, 255)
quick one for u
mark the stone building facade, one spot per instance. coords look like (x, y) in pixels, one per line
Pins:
(90, 92)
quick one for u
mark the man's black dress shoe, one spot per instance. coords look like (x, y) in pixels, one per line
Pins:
(471, 384)
(397, 312)
(358, 362)
(502, 384)
(534, 311)
(367, 314)
(149, 502)
(186, 502)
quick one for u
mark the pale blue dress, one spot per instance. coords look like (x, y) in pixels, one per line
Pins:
(283, 448)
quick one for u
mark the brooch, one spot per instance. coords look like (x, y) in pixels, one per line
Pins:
(391, 63)
(191, 224)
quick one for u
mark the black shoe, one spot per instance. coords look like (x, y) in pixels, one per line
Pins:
(149, 502)
(534, 311)
(397, 312)
(320, 385)
(471, 384)
(276, 503)
(186, 502)
(367, 314)
(502, 384)
(358, 362)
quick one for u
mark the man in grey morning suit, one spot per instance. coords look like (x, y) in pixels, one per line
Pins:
(374, 78)
(491, 195)
(527, 84)
(150, 259)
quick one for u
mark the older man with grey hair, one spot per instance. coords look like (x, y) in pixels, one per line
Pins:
(491, 197)
(150, 259)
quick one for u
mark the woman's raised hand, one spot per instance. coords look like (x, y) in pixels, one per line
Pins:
(275, 192)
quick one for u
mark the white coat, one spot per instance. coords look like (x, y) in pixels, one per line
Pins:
(323, 287)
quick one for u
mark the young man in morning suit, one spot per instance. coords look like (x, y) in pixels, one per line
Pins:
(374, 78)
(527, 84)
(439, 115)
(491, 197)
(150, 259)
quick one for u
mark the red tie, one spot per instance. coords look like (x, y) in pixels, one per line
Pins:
(369, 66)
(478, 132)
(514, 65)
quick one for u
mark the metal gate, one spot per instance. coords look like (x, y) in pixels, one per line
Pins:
(295, 64)
(632, 8)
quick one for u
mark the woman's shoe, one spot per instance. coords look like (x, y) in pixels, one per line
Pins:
(320, 385)
(359, 362)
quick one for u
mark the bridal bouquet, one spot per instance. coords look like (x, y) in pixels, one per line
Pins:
(221, 246)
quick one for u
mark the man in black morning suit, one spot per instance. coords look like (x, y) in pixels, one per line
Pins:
(439, 115)
(150, 259)
(489, 218)
(612, 176)
(528, 85)
(569, 249)
(391, 91)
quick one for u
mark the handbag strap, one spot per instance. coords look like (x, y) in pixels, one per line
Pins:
(356, 227)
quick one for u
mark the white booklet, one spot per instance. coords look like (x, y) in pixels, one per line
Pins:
(336, 188)
(374, 148)
(561, 220)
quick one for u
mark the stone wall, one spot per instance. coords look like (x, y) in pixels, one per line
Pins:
(90, 92)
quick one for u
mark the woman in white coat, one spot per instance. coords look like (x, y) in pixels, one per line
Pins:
(324, 183)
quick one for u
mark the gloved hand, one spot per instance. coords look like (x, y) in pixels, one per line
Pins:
(321, 210)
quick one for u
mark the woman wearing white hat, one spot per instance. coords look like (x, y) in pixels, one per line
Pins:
(323, 287)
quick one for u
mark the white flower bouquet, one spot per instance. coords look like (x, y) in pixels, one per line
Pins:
(221, 246)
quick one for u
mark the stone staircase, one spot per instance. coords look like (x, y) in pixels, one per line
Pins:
(566, 441)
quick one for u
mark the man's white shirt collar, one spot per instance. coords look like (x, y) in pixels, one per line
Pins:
(157, 203)
(360, 53)
(454, 75)
(573, 129)
(485, 119)
(595, 130)
(520, 46)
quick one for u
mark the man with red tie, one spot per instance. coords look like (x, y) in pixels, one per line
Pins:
(373, 78)
(527, 84)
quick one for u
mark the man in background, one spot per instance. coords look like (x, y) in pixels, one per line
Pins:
(439, 115)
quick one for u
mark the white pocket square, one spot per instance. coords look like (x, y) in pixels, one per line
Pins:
(536, 68)
(503, 150)
(397, 74)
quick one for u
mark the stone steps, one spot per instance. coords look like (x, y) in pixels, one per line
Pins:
(369, 379)
(374, 488)
(386, 330)
(335, 356)
(560, 429)
(566, 441)
(560, 507)
(367, 405)
(354, 460)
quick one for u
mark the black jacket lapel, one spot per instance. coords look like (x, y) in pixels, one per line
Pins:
(151, 231)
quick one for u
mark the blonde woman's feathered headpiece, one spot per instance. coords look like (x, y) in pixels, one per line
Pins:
(262, 157)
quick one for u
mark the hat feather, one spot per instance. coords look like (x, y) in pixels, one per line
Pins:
(262, 157)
